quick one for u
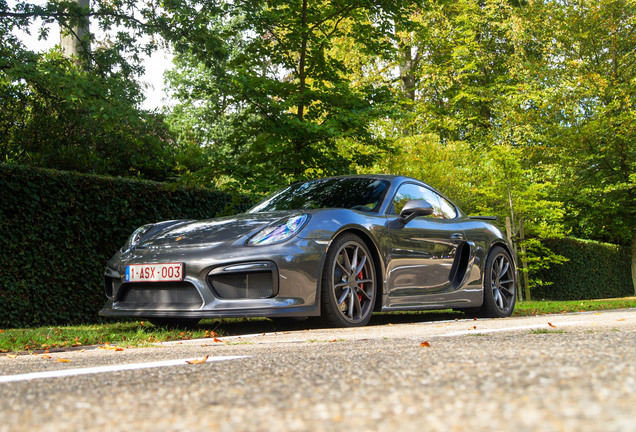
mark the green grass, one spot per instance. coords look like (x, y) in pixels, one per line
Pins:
(140, 333)
(553, 307)
(123, 334)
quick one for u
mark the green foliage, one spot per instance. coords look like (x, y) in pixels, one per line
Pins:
(275, 97)
(594, 270)
(59, 229)
(56, 114)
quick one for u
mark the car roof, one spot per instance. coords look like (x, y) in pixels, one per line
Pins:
(390, 177)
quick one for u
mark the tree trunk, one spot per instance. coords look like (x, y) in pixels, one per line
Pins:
(406, 71)
(72, 41)
(634, 260)
(302, 99)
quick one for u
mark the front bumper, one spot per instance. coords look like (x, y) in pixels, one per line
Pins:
(295, 268)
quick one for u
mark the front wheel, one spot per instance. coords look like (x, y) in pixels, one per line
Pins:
(500, 284)
(348, 284)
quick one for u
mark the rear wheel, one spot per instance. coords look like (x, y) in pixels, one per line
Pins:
(500, 284)
(348, 284)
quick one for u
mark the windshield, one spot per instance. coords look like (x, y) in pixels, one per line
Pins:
(357, 193)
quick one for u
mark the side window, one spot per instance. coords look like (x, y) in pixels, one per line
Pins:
(447, 208)
(442, 209)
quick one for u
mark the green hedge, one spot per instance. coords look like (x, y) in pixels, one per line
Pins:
(58, 230)
(594, 270)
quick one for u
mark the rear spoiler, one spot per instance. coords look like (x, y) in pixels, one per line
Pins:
(488, 218)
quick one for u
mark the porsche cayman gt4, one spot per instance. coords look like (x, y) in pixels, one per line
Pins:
(339, 248)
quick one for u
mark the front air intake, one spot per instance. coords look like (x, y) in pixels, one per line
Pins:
(249, 281)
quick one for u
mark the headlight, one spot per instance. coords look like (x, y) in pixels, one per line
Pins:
(135, 237)
(279, 231)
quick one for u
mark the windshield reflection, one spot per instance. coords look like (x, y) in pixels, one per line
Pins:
(363, 194)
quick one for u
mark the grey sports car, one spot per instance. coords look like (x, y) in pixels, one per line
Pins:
(339, 248)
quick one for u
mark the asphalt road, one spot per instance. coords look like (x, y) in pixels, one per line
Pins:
(572, 372)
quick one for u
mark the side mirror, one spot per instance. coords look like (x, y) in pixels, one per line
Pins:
(413, 209)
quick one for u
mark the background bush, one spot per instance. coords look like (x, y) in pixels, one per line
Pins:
(594, 270)
(58, 230)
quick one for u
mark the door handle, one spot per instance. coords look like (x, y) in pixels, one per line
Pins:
(457, 238)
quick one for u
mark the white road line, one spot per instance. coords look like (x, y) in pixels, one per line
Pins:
(505, 329)
(105, 369)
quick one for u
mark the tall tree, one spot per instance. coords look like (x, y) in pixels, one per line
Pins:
(83, 116)
(274, 80)
(591, 104)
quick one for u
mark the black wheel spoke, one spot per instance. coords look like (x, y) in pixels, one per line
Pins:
(506, 266)
(354, 261)
(346, 262)
(508, 291)
(350, 311)
(357, 306)
(344, 270)
(360, 266)
(343, 296)
(363, 293)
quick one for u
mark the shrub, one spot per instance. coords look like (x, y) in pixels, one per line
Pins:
(594, 270)
(58, 230)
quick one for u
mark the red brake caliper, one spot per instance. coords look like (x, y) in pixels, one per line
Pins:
(361, 285)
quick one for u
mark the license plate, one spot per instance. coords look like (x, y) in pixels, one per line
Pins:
(154, 272)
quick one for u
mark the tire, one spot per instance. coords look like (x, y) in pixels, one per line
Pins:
(181, 323)
(349, 284)
(500, 284)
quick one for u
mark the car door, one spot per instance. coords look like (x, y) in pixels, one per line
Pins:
(423, 250)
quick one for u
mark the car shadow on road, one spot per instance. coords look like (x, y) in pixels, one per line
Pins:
(237, 327)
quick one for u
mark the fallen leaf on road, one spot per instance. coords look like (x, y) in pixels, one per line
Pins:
(217, 340)
(335, 340)
(44, 356)
(110, 347)
(12, 355)
(198, 361)
(62, 360)
(551, 325)
(623, 319)
(473, 328)
(425, 344)
(82, 350)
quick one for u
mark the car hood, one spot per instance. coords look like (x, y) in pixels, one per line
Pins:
(210, 231)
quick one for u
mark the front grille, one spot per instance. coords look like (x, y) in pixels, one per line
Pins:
(253, 285)
(158, 295)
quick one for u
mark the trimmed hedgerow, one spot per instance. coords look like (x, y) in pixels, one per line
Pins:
(595, 270)
(58, 230)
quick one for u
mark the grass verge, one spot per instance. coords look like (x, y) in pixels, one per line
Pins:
(529, 308)
(140, 333)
